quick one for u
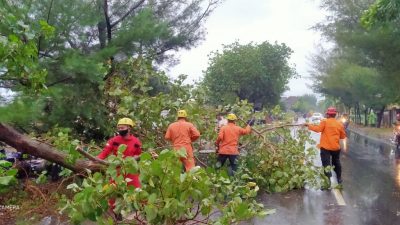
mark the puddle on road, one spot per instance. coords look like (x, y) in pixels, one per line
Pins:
(377, 152)
(372, 147)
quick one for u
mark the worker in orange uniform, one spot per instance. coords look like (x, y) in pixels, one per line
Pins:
(133, 149)
(182, 133)
(228, 141)
(331, 131)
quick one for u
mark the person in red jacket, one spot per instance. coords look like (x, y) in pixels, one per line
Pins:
(133, 149)
(228, 141)
(182, 133)
(331, 132)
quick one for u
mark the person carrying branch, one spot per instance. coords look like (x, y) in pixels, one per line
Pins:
(227, 143)
(331, 132)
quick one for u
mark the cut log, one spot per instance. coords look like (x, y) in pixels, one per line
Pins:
(26, 145)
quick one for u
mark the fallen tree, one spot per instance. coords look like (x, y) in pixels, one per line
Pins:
(27, 145)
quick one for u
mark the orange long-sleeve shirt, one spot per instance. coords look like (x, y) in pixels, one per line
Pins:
(228, 138)
(182, 134)
(331, 132)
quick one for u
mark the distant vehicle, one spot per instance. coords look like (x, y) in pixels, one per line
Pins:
(316, 117)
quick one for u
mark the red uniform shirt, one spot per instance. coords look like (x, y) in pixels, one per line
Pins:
(134, 147)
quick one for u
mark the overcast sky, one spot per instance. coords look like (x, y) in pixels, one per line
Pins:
(284, 21)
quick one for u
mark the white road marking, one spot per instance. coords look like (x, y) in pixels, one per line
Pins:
(339, 197)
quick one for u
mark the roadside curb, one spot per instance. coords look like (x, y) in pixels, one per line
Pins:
(380, 140)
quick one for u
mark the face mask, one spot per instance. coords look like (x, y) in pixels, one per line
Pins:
(123, 132)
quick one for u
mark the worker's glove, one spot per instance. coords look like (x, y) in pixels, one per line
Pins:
(216, 147)
(251, 122)
(154, 154)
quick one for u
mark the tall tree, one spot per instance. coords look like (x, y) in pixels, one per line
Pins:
(256, 72)
(90, 39)
(360, 68)
(381, 11)
(305, 103)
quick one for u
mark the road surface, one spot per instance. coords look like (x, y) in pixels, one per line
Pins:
(371, 194)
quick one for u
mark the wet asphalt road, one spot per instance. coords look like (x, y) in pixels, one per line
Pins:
(371, 180)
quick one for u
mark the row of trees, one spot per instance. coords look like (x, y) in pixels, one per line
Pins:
(305, 104)
(360, 69)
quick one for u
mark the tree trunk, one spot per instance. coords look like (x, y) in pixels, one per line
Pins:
(101, 26)
(366, 117)
(357, 112)
(26, 145)
(108, 22)
(380, 117)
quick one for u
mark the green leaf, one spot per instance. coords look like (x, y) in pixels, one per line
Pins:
(4, 163)
(245, 176)
(145, 156)
(152, 198)
(151, 183)
(181, 152)
(42, 178)
(11, 172)
(156, 168)
(242, 210)
(74, 187)
(182, 177)
(267, 212)
(6, 180)
(151, 212)
(121, 148)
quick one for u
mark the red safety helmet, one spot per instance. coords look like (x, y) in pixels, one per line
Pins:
(331, 111)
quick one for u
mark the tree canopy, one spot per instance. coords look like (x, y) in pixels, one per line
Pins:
(84, 59)
(257, 72)
(305, 104)
(361, 68)
(381, 11)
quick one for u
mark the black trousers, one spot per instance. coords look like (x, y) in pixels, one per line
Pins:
(232, 161)
(334, 156)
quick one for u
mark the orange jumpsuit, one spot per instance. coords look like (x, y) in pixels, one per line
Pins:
(182, 134)
(228, 138)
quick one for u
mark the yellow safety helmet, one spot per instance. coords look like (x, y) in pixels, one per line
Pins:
(182, 114)
(126, 121)
(231, 116)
